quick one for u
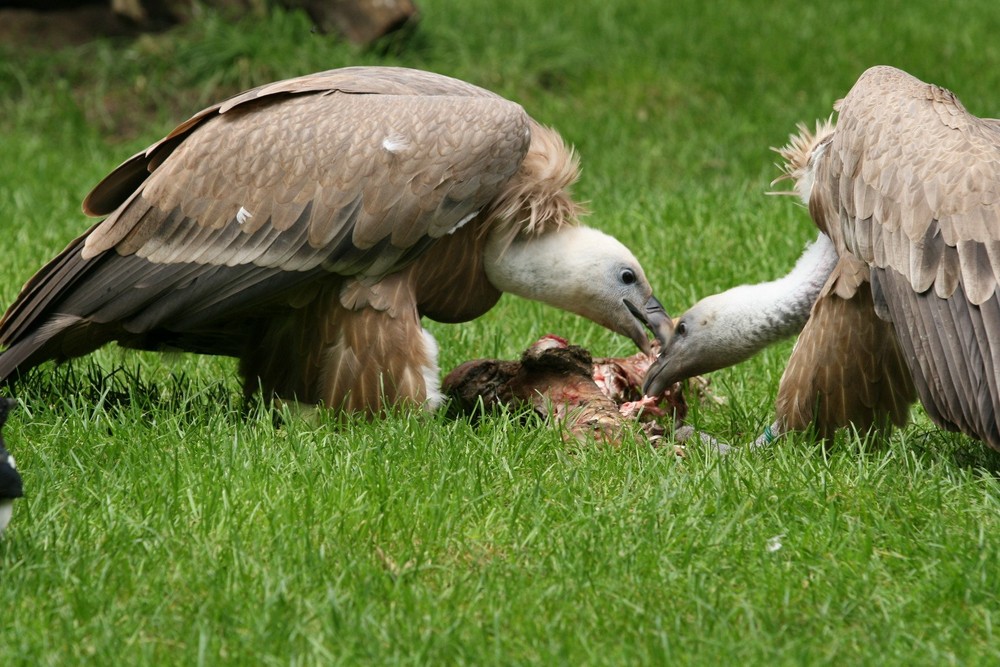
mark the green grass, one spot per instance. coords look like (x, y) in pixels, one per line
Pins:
(168, 523)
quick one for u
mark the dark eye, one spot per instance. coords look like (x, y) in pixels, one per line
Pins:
(628, 276)
(681, 329)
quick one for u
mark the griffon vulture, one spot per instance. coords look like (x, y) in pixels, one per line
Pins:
(306, 227)
(900, 290)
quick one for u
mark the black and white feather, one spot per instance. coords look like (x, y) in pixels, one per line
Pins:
(10, 479)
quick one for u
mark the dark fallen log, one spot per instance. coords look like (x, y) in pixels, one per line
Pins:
(56, 23)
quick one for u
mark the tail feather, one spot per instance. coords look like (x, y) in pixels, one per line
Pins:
(23, 329)
(39, 292)
(60, 339)
(16, 357)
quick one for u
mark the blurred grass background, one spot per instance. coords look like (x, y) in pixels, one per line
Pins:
(165, 524)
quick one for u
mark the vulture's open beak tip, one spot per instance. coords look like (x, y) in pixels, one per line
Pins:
(652, 315)
(648, 383)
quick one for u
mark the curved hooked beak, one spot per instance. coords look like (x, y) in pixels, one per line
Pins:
(655, 318)
(657, 377)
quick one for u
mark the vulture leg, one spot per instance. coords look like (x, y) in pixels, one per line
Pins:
(360, 349)
(847, 367)
(954, 350)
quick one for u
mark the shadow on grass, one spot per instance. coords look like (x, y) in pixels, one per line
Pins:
(127, 390)
(928, 443)
(960, 450)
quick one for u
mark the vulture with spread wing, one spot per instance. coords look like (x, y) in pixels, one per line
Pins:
(898, 296)
(307, 226)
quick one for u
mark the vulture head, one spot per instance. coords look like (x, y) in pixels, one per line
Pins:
(704, 339)
(583, 271)
(725, 329)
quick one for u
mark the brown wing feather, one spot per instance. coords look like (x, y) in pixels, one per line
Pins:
(112, 192)
(846, 368)
(361, 350)
(954, 351)
(913, 161)
(384, 168)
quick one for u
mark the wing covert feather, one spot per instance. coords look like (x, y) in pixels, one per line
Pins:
(913, 163)
(117, 186)
(385, 172)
